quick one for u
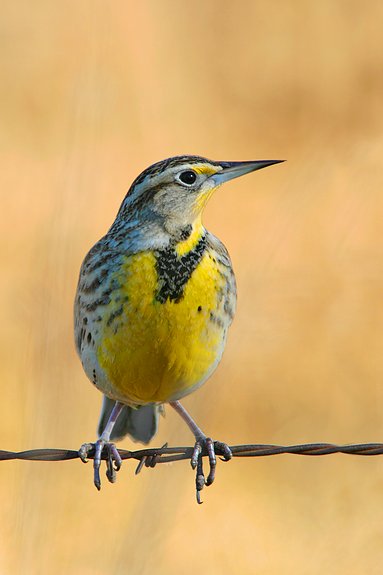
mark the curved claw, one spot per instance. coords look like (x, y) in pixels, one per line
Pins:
(113, 459)
(211, 448)
(84, 451)
(224, 450)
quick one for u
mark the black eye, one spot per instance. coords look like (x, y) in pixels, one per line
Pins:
(188, 177)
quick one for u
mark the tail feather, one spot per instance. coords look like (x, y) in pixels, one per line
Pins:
(139, 423)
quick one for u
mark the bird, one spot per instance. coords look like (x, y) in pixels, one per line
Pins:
(155, 298)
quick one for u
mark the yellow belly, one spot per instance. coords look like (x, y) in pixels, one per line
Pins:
(156, 352)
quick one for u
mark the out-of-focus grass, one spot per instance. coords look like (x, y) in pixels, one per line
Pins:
(91, 95)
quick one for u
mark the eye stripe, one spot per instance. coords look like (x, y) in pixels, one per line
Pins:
(206, 170)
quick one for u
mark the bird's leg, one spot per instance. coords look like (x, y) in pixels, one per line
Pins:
(203, 445)
(113, 461)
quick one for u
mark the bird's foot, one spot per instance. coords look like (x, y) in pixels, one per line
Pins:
(206, 446)
(113, 459)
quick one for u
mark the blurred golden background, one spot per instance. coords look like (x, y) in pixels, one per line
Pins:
(93, 93)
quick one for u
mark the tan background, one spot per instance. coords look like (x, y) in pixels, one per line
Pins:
(92, 93)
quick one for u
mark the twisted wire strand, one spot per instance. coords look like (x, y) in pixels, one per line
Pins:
(167, 454)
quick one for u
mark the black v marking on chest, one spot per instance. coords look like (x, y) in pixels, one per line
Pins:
(174, 271)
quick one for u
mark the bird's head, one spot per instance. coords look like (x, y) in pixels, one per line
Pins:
(176, 190)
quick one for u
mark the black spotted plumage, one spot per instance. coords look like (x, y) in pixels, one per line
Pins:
(174, 271)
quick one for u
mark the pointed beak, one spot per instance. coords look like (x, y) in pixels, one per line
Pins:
(231, 170)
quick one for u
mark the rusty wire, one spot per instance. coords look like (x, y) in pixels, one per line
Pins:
(168, 454)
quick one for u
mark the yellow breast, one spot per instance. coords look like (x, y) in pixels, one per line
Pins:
(157, 352)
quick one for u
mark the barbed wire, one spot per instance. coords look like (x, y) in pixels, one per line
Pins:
(167, 454)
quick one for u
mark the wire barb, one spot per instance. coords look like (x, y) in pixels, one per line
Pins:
(167, 454)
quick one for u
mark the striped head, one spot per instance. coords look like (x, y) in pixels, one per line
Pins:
(175, 191)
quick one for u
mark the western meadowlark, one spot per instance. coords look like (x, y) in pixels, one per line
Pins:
(155, 298)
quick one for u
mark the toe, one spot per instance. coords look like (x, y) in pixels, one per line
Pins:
(212, 460)
(196, 454)
(96, 479)
(115, 457)
(84, 451)
(110, 471)
(224, 450)
(113, 462)
(199, 480)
